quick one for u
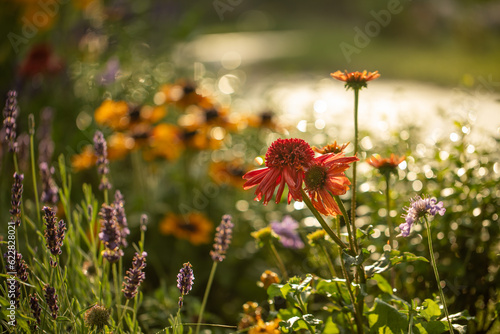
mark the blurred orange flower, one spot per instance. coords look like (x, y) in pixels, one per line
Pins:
(119, 145)
(385, 165)
(270, 327)
(164, 142)
(113, 114)
(182, 94)
(194, 227)
(355, 80)
(265, 119)
(85, 160)
(228, 172)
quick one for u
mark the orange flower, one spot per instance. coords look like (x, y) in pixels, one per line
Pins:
(265, 119)
(119, 145)
(165, 142)
(331, 148)
(270, 327)
(385, 165)
(113, 114)
(194, 227)
(355, 80)
(182, 94)
(84, 160)
(325, 179)
(227, 172)
(269, 277)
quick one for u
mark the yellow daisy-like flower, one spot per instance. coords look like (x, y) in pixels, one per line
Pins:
(164, 142)
(228, 172)
(194, 227)
(113, 114)
(182, 94)
(355, 80)
(119, 145)
(85, 160)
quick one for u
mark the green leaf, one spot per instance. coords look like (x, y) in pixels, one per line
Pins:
(390, 259)
(360, 234)
(358, 259)
(430, 310)
(274, 290)
(296, 323)
(384, 318)
(382, 284)
(432, 327)
(331, 327)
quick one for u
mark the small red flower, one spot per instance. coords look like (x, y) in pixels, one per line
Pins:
(286, 160)
(355, 80)
(325, 178)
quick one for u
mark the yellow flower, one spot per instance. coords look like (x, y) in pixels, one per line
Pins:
(164, 142)
(113, 114)
(228, 172)
(268, 277)
(84, 160)
(194, 227)
(119, 145)
(182, 94)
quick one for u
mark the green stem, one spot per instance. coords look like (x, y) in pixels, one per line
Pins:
(434, 266)
(353, 199)
(328, 260)
(33, 173)
(347, 223)
(322, 222)
(279, 262)
(205, 296)
(124, 310)
(357, 317)
(389, 224)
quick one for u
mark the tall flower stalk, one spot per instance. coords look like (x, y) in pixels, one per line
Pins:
(420, 208)
(356, 81)
(386, 167)
(222, 240)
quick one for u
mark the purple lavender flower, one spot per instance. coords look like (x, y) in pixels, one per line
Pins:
(54, 233)
(419, 207)
(10, 113)
(108, 76)
(110, 234)
(134, 276)
(185, 280)
(51, 300)
(287, 231)
(223, 238)
(35, 310)
(16, 193)
(121, 218)
(49, 188)
(20, 267)
(101, 151)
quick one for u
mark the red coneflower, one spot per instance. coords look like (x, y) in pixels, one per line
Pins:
(325, 179)
(286, 160)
